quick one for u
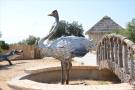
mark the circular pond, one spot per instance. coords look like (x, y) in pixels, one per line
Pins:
(41, 78)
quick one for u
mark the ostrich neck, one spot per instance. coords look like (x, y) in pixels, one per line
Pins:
(57, 19)
(53, 30)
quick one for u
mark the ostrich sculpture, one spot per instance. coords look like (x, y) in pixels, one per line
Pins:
(64, 48)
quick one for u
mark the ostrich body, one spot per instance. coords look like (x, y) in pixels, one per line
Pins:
(64, 48)
(12, 54)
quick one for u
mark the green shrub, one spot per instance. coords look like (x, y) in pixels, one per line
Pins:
(4, 45)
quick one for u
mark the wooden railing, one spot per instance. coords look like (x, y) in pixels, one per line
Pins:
(117, 53)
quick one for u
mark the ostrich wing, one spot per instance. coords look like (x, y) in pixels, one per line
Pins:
(77, 46)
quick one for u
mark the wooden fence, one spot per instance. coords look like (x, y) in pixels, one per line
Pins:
(117, 53)
(29, 52)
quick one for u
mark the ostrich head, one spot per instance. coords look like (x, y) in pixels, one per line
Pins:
(54, 14)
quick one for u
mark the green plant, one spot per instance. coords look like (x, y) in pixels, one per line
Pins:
(31, 40)
(129, 31)
(4, 45)
(68, 29)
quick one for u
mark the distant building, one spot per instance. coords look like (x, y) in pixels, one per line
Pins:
(104, 26)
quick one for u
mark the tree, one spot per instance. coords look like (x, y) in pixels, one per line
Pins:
(75, 29)
(131, 30)
(68, 29)
(31, 40)
(123, 32)
(3, 46)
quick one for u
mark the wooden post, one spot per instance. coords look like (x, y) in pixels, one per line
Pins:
(101, 57)
(102, 51)
(98, 54)
(102, 54)
(132, 64)
(120, 55)
(105, 49)
(108, 49)
(112, 51)
(125, 59)
(116, 53)
(100, 48)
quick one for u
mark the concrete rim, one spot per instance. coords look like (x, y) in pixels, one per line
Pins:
(17, 84)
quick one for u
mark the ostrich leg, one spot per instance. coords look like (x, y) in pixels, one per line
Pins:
(62, 73)
(68, 68)
(65, 69)
(9, 62)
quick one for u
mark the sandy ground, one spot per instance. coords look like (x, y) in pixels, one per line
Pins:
(88, 59)
(7, 72)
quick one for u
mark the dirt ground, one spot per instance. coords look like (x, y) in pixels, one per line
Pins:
(8, 72)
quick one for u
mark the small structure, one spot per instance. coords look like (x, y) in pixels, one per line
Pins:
(104, 26)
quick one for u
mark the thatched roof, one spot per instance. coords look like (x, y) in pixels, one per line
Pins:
(106, 24)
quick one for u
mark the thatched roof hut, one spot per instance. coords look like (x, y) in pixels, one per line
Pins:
(105, 25)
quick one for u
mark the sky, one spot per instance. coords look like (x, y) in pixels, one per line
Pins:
(21, 18)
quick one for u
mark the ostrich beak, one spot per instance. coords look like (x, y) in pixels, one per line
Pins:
(50, 14)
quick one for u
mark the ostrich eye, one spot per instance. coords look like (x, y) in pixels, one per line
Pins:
(54, 12)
